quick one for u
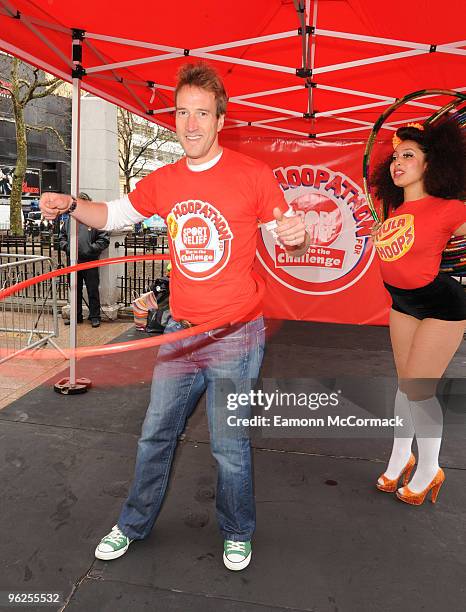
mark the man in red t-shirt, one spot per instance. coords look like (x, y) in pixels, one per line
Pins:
(212, 200)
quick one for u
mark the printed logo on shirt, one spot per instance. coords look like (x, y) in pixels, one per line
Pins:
(395, 237)
(201, 239)
(336, 214)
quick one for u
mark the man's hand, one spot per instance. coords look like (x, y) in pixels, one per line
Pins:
(52, 205)
(291, 231)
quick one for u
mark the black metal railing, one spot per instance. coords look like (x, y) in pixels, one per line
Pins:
(140, 275)
(43, 243)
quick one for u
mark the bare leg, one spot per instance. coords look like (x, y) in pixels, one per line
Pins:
(434, 345)
(402, 331)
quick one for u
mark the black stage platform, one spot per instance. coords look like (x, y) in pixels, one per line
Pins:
(326, 539)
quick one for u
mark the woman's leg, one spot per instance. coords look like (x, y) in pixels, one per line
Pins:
(434, 345)
(402, 331)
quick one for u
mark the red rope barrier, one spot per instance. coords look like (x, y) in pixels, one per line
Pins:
(132, 345)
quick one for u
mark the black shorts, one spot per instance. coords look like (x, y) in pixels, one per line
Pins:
(444, 298)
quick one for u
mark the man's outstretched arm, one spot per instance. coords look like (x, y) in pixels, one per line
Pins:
(101, 215)
(93, 214)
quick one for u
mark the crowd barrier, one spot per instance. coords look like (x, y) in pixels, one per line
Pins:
(29, 317)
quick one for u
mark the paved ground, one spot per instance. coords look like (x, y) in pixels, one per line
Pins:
(326, 539)
(20, 375)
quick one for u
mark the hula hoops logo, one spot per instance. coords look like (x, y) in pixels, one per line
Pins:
(201, 239)
(395, 237)
(339, 221)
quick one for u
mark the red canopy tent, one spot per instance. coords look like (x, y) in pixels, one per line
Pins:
(302, 76)
(322, 68)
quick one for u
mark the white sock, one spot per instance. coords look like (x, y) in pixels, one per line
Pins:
(428, 424)
(403, 437)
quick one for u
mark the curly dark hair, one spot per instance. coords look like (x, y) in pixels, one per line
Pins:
(444, 145)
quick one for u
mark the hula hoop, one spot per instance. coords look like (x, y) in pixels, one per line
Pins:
(132, 345)
(454, 256)
(381, 120)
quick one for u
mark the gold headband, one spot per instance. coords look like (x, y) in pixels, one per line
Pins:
(396, 141)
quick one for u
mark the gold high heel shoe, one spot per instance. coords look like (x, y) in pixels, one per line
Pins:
(390, 486)
(416, 499)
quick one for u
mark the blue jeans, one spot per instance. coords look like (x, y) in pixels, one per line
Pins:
(184, 370)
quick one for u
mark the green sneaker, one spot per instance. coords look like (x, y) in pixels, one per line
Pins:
(236, 555)
(114, 545)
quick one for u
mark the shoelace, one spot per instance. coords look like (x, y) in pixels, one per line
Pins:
(115, 537)
(233, 546)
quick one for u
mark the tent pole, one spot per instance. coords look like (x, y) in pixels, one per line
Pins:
(116, 76)
(193, 53)
(242, 62)
(248, 41)
(136, 62)
(292, 113)
(350, 109)
(351, 120)
(365, 94)
(349, 130)
(106, 77)
(29, 25)
(392, 42)
(72, 385)
(73, 228)
(284, 130)
(134, 43)
(160, 111)
(124, 82)
(444, 48)
(282, 111)
(451, 50)
(312, 53)
(75, 154)
(370, 60)
(300, 10)
(269, 92)
(274, 120)
(217, 47)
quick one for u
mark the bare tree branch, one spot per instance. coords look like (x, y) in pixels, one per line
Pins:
(26, 85)
(46, 92)
(30, 88)
(48, 82)
(51, 129)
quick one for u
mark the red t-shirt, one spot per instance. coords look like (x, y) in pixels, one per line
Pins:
(410, 242)
(212, 218)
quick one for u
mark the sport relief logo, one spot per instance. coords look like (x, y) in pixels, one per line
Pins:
(339, 221)
(201, 239)
(395, 237)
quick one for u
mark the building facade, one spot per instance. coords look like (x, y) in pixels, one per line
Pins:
(48, 160)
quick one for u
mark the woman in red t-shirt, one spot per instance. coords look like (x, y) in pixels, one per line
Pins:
(421, 186)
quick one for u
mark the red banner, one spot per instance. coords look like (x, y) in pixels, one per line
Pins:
(338, 279)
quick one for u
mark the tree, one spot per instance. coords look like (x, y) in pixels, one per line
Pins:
(25, 84)
(139, 141)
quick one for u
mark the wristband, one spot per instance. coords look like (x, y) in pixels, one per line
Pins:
(73, 205)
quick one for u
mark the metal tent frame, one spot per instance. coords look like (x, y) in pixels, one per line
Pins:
(87, 60)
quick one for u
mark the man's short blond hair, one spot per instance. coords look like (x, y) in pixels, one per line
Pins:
(202, 75)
